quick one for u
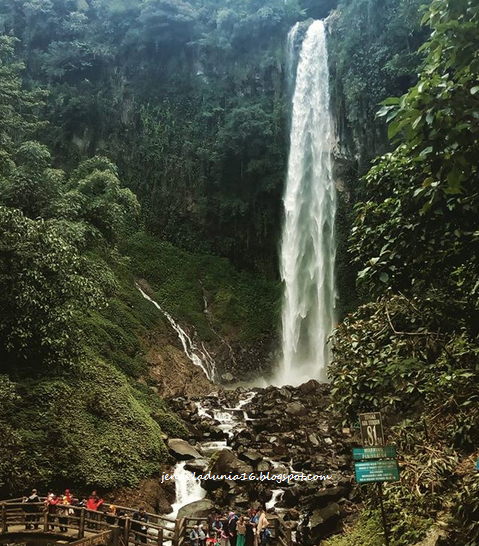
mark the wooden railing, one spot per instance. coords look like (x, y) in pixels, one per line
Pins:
(84, 527)
(77, 523)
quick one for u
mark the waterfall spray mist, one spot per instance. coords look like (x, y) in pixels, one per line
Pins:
(308, 241)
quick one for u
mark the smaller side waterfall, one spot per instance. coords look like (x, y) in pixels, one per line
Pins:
(198, 355)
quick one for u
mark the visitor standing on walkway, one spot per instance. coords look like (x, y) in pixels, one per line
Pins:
(241, 532)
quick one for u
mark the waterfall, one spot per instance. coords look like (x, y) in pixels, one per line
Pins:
(199, 356)
(187, 489)
(307, 246)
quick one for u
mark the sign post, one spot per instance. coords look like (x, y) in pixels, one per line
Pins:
(383, 514)
(376, 462)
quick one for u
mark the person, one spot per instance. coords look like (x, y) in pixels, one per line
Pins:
(241, 532)
(224, 536)
(31, 509)
(139, 521)
(94, 502)
(250, 531)
(69, 496)
(194, 536)
(111, 515)
(63, 512)
(202, 533)
(232, 521)
(51, 503)
(262, 526)
(217, 527)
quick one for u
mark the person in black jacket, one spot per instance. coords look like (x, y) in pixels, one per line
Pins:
(32, 510)
(139, 521)
(232, 522)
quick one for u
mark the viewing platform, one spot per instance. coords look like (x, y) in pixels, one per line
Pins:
(31, 523)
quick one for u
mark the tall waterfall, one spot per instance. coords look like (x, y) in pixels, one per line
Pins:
(308, 241)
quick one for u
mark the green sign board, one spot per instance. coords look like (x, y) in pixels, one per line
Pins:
(377, 471)
(366, 453)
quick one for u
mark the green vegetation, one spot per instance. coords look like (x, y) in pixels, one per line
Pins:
(67, 415)
(373, 55)
(412, 351)
(240, 306)
(182, 102)
(368, 531)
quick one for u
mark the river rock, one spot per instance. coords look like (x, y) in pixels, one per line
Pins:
(197, 465)
(198, 509)
(252, 457)
(263, 466)
(325, 496)
(226, 462)
(182, 449)
(324, 521)
(296, 409)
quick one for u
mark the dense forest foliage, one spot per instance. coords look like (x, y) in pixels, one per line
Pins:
(411, 350)
(148, 139)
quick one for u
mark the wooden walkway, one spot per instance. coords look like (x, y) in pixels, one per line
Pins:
(77, 526)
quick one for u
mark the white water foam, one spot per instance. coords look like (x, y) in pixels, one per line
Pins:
(308, 241)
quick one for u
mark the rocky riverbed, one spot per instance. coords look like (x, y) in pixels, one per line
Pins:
(277, 430)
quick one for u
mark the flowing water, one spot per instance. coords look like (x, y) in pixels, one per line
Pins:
(308, 242)
(187, 489)
(198, 355)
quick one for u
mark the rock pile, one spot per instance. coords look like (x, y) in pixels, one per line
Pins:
(280, 431)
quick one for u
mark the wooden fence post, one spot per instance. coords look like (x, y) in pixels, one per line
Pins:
(81, 524)
(176, 536)
(4, 519)
(160, 536)
(126, 535)
(45, 520)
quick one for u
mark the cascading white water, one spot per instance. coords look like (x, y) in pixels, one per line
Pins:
(199, 356)
(308, 245)
(187, 489)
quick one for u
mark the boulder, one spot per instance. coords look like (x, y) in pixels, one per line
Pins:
(324, 521)
(264, 466)
(226, 462)
(252, 457)
(296, 409)
(198, 509)
(291, 497)
(197, 465)
(182, 450)
(323, 497)
(292, 515)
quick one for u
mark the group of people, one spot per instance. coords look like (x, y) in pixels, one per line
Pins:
(233, 530)
(56, 505)
(62, 506)
(230, 530)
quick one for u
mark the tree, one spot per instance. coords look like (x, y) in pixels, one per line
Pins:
(419, 231)
(96, 197)
(43, 288)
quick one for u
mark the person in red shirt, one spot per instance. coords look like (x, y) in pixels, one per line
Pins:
(51, 506)
(93, 503)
